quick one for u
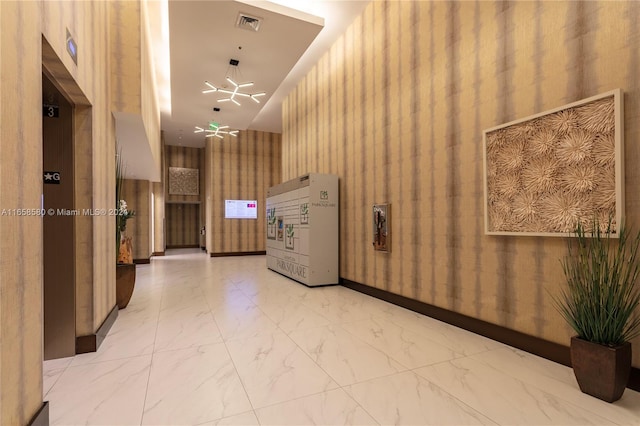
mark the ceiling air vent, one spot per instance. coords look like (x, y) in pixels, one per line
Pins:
(248, 22)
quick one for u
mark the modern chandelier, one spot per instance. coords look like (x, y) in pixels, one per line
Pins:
(233, 67)
(215, 130)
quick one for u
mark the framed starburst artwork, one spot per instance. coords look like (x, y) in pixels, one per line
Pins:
(546, 173)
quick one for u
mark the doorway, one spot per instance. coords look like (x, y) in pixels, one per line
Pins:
(58, 223)
(183, 225)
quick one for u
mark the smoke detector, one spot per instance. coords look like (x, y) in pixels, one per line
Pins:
(248, 22)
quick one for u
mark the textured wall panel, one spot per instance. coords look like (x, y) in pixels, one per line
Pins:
(397, 107)
(183, 181)
(546, 174)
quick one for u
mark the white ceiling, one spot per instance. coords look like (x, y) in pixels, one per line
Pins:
(203, 38)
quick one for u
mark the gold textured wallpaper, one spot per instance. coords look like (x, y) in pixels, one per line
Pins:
(240, 168)
(396, 108)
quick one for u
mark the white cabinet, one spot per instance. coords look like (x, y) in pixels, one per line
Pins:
(302, 229)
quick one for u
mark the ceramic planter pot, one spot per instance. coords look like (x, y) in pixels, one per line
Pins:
(601, 371)
(125, 282)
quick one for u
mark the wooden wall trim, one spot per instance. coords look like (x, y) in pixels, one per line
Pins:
(142, 261)
(42, 416)
(157, 253)
(180, 246)
(239, 253)
(92, 342)
(534, 345)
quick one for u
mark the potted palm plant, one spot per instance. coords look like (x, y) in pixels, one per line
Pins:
(125, 270)
(598, 302)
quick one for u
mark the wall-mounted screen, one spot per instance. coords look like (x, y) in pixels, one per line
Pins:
(240, 209)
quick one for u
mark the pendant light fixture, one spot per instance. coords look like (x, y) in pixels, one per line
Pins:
(216, 130)
(232, 77)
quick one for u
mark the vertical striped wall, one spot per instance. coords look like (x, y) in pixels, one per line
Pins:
(33, 37)
(133, 91)
(87, 84)
(132, 76)
(183, 225)
(158, 189)
(27, 29)
(150, 106)
(208, 191)
(180, 223)
(240, 168)
(190, 158)
(20, 237)
(94, 25)
(396, 109)
(137, 194)
(126, 72)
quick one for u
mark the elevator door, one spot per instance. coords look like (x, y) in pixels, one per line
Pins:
(183, 225)
(58, 223)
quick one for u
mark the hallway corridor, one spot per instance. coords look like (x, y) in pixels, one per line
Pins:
(226, 341)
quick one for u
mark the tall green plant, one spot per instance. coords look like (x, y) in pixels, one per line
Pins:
(601, 293)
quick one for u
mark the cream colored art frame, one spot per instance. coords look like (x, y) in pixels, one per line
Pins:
(500, 206)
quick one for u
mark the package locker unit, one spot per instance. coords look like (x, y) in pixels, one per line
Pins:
(302, 229)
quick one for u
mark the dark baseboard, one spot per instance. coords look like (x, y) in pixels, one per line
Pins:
(203, 248)
(92, 342)
(300, 282)
(184, 246)
(535, 345)
(142, 261)
(634, 379)
(239, 253)
(42, 416)
(157, 253)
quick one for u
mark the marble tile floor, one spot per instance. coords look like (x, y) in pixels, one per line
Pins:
(225, 341)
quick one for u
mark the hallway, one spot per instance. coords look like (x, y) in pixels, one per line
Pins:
(226, 341)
